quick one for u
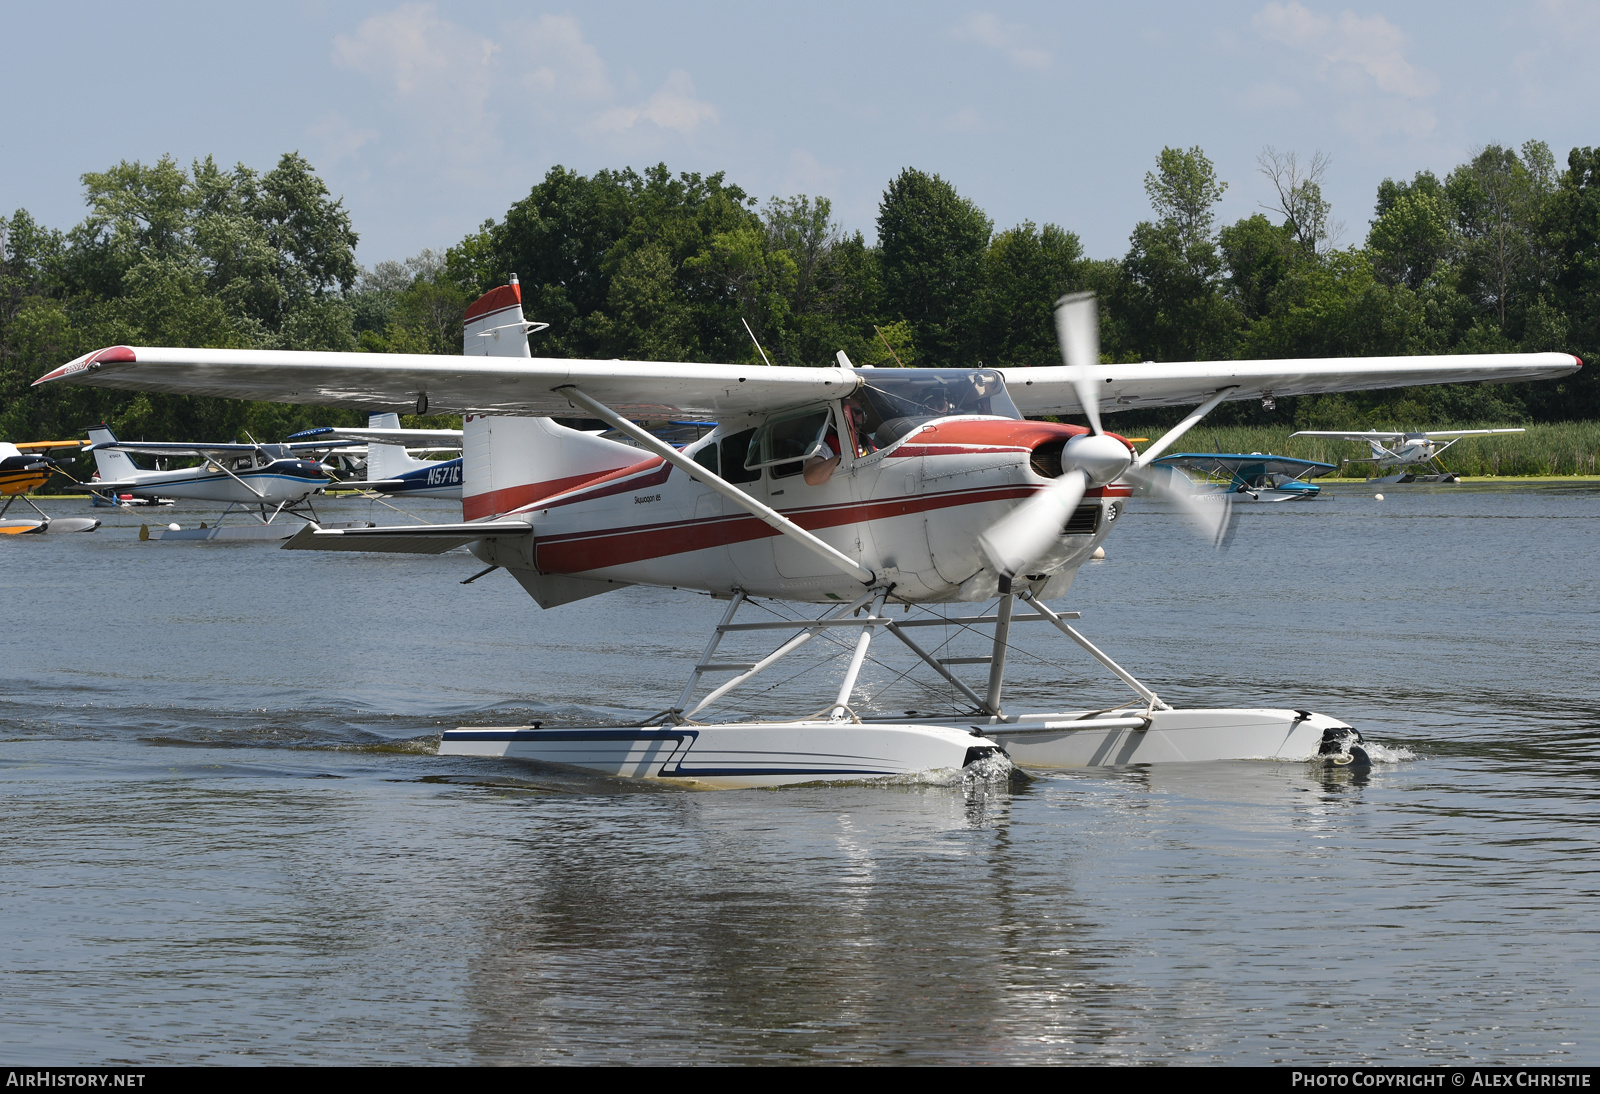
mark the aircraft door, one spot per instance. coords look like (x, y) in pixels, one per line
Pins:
(800, 455)
(749, 552)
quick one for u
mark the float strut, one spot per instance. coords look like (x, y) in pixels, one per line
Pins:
(1094, 651)
(997, 660)
(841, 705)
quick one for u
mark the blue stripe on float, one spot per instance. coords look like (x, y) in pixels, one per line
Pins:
(678, 770)
(567, 734)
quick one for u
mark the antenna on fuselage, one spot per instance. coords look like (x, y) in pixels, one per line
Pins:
(888, 347)
(753, 338)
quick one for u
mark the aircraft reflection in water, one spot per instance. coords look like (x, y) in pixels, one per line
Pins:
(849, 488)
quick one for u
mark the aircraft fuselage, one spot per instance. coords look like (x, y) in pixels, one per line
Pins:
(284, 481)
(911, 512)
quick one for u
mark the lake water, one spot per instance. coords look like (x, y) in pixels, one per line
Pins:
(226, 837)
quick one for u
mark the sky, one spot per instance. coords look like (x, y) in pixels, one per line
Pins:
(430, 118)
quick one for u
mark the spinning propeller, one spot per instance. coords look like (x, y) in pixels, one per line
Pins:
(1027, 533)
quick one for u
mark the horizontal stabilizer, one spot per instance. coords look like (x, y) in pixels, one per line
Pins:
(368, 484)
(412, 539)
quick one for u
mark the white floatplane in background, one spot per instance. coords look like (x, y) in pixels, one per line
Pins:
(856, 489)
(1411, 450)
(262, 480)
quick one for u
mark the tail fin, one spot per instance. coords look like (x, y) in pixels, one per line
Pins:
(113, 466)
(511, 462)
(495, 326)
(388, 461)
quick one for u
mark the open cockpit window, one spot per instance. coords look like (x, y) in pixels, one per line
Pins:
(784, 443)
(893, 402)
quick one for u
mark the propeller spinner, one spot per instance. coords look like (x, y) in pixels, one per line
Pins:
(1027, 533)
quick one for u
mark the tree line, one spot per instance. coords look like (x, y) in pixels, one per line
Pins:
(1501, 254)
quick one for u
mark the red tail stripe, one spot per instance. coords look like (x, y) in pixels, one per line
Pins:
(492, 503)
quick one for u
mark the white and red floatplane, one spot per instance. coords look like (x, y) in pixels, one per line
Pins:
(857, 489)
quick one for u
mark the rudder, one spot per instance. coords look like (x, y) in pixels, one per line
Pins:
(113, 466)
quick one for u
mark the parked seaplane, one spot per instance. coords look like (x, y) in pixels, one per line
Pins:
(1239, 476)
(390, 468)
(1411, 450)
(253, 477)
(853, 489)
(21, 473)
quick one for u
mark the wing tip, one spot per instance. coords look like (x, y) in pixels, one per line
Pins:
(111, 355)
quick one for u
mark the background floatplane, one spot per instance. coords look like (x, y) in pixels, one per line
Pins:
(1417, 454)
(24, 468)
(1254, 476)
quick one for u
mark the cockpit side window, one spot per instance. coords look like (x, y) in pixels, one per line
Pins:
(789, 439)
(734, 450)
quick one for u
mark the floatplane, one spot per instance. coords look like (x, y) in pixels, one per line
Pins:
(1239, 476)
(850, 489)
(21, 473)
(261, 480)
(390, 468)
(1410, 452)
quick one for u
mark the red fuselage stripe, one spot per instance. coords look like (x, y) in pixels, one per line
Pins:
(580, 551)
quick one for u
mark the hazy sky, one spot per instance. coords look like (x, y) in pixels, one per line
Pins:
(429, 118)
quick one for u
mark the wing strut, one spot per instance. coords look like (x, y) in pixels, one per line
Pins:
(766, 513)
(1171, 436)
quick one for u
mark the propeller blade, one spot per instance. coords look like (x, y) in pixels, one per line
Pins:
(1078, 330)
(1211, 515)
(1025, 535)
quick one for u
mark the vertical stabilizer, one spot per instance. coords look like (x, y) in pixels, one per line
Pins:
(495, 326)
(389, 461)
(113, 466)
(507, 463)
(511, 462)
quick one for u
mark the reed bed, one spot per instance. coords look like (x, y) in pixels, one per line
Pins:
(1560, 448)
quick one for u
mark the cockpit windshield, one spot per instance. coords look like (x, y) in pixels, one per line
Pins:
(895, 401)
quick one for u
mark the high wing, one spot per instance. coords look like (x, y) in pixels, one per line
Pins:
(411, 438)
(456, 385)
(1233, 462)
(1441, 433)
(1049, 390)
(51, 444)
(169, 448)
(1364, 435)
(650, 389)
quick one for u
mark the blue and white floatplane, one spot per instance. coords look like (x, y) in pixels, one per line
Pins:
(1256, 476)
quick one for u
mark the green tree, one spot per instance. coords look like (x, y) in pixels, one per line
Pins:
(1498, 204)
(1184, 191)
(1026, 270)
(1171, 294)
(1411, 234)
(933, 243)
